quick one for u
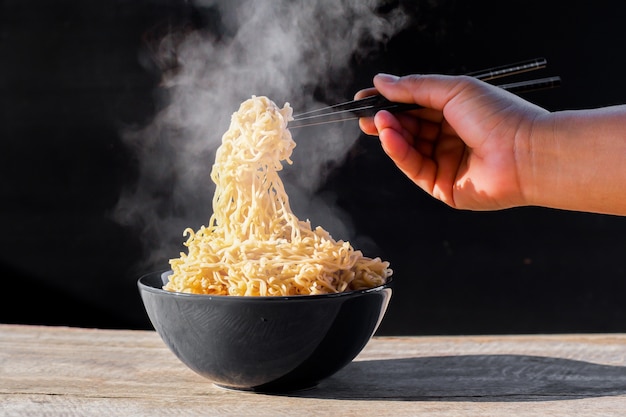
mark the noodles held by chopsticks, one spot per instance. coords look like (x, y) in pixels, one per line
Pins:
(254, 245)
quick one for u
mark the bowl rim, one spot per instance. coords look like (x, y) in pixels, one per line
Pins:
(262, 298)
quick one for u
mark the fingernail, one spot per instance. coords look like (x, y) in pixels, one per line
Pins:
(387, 78)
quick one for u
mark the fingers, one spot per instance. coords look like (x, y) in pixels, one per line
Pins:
(422, 89)
(418, 132)
(367, 123)
(411, 158)
(367, 126)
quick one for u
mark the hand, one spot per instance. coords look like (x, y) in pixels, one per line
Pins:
(466, 146)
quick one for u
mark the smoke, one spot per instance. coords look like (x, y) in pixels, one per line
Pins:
(290, 51)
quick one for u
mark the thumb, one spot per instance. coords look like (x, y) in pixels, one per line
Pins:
(433, 91)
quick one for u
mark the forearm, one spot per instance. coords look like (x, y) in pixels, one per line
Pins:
(576, 160)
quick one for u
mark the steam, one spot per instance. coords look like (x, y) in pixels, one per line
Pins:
(289, 51)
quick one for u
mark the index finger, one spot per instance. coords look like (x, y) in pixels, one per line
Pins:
(367, 123)
(366, 92)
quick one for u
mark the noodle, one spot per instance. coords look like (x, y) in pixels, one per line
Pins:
(254, 245)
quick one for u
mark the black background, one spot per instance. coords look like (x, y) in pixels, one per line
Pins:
(73, 73)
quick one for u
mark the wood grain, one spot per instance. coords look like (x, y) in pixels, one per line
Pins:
(59, 371)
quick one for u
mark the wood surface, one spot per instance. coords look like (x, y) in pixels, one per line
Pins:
(60, 371)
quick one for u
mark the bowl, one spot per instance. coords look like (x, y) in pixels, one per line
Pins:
(265, 344)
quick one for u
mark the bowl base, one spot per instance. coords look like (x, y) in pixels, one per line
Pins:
(268, 390)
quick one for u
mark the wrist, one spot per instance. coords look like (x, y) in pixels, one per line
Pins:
(535, 151)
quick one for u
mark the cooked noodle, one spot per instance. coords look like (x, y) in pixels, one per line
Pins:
(254, 244)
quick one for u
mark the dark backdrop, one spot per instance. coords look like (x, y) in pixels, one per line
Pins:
(72, 73)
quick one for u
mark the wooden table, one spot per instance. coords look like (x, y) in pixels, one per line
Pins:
(59, 371)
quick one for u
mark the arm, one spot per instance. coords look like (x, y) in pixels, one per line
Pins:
(475, 146)
(576, 160)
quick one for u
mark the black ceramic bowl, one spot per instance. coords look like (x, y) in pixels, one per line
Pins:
(264, 343)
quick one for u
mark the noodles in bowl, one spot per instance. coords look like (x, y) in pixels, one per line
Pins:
(254, 244)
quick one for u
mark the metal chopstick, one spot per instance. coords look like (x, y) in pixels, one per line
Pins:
(509, 70)
(532, 85)
(368, 106)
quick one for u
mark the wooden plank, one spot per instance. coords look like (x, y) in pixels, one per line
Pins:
(60, 371)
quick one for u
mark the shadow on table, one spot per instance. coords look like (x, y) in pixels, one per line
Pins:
(487, 378)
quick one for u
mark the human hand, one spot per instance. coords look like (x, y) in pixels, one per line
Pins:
(467, 145)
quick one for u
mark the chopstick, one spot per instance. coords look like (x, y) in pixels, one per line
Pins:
(509, 69)
(369, 106)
